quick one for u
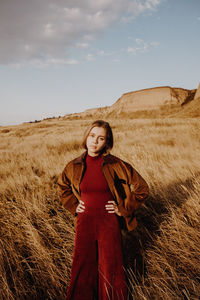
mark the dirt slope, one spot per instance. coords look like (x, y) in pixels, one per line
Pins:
(147, 103)
(197, 95)
(150, 99)
(190, 110)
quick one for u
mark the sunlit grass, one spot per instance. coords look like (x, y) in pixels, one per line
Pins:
(36, 233)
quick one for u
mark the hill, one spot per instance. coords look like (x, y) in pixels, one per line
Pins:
(189, 110)
(147, 103)
(151, 98)
(197, 94)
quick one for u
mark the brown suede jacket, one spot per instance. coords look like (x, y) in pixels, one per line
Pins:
(128, 188)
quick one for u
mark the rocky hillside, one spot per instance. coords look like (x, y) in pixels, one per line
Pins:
(151, 99)
(149, 103)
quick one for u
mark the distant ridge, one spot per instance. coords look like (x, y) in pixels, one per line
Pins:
(151, 98)
(154, 88)
(164, 101)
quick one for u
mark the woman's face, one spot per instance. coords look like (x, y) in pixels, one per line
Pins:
(96, 140)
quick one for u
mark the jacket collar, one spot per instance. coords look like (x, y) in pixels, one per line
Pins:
(81, 158)
(107, 158)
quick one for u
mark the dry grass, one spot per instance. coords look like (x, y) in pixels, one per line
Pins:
(36, 233)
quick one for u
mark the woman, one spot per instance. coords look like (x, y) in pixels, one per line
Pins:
(99, 189)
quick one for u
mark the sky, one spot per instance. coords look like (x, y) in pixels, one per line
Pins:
(64, 56)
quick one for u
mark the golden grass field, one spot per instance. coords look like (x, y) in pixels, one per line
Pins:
(36, 234)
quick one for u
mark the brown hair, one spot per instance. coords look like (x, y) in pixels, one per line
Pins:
(109, 134)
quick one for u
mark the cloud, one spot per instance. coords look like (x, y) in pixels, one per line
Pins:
(45, 30)
(155, 44)
(141, 46)
(116, 60)
(90, 57)
(104, 53)
(82, 45)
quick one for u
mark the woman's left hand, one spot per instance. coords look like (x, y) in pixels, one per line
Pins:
(112, 208)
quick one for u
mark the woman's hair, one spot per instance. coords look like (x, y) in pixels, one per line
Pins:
(109, 134)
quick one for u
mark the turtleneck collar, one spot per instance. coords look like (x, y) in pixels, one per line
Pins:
(93, 158)
(108, 158)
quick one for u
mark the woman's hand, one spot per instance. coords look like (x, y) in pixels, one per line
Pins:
(81, 207)
(112, 208)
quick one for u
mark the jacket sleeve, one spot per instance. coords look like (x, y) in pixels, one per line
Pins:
(68, 199)
(139, 190)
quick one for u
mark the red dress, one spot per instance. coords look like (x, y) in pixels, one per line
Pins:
(97, 269)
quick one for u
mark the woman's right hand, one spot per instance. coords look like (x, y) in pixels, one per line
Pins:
(81, 207)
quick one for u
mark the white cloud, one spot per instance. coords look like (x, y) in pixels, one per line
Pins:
(82, 45)
(44, 30)
(103, 53)
(116, 60)
(141, 46)
(62, 61)
(139, 41)
(155, 44)
(53, 62)
(90, 57)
